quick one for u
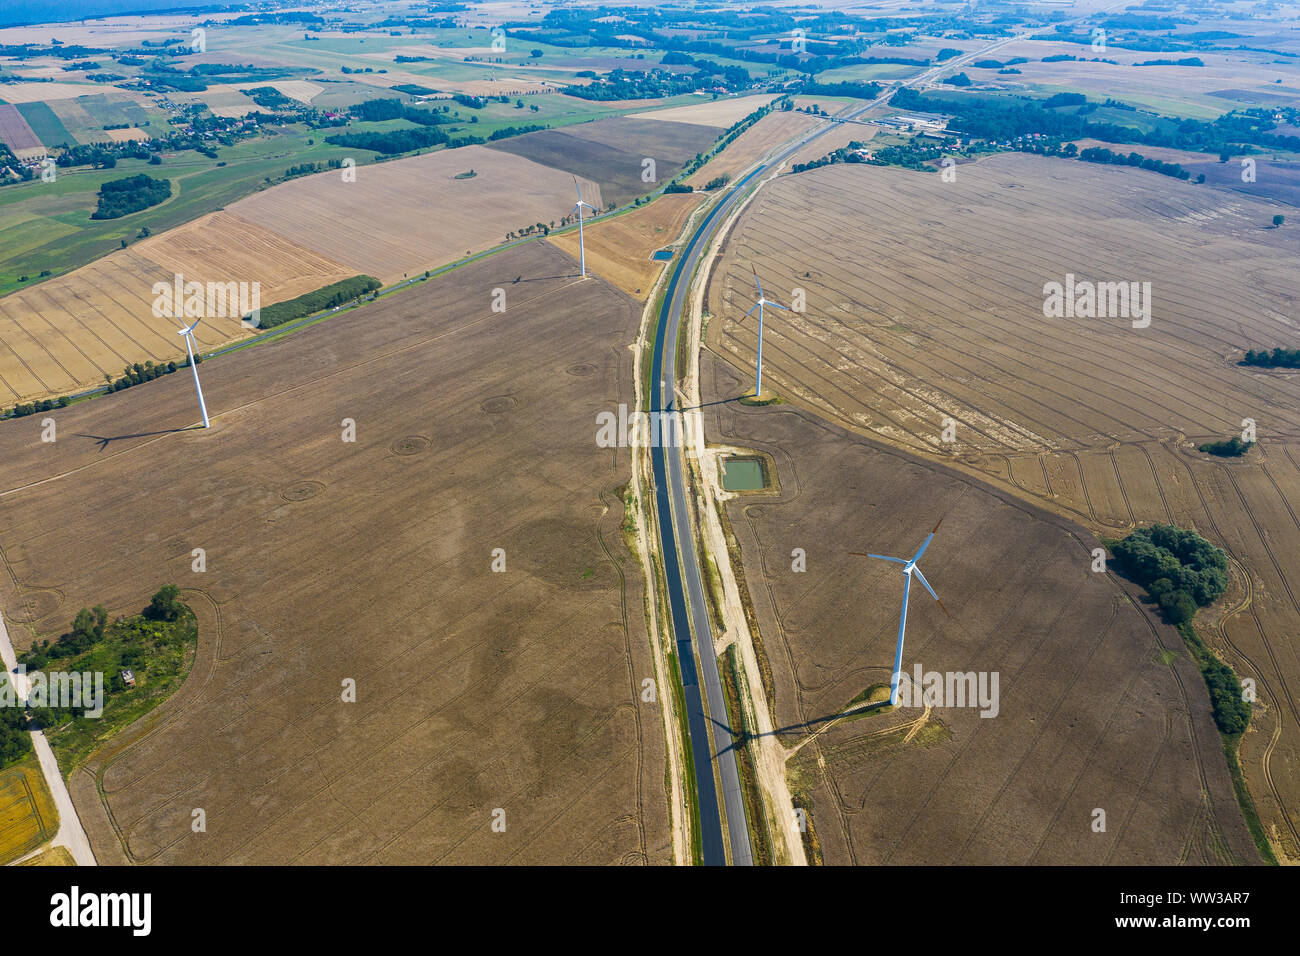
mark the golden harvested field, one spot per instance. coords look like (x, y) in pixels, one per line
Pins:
(939, 316)
(33, 92)
(619, 249)
(370, 561)
(753, 144)
(27, 814)
(840, 136)
(54, 856)
(722, 112)
(1088, 713)
(66, 333)
(409, 215)
(125, 135)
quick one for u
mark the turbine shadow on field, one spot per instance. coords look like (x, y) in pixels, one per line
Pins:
(104, 440)
(567, 275)
(808, 726)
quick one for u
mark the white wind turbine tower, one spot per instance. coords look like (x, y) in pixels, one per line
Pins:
(582, 250)
(909, 568)
(762, 301)
(194, 367)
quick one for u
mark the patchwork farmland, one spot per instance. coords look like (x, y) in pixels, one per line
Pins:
(1090, 418)
(474, 690)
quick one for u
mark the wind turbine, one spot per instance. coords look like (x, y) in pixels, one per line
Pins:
(762, 301)
(582, 249)
(909, 568)
(189, 348)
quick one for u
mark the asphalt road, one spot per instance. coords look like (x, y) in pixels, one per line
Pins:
(681, 564)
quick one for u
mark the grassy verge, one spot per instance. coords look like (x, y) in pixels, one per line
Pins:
(760, 839)
(688, 758)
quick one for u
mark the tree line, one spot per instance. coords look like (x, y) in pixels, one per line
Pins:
(1278, 358)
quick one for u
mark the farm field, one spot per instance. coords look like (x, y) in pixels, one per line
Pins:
(27, 814)
(16, 133)
(612, 152)
(1090, 418)
(752, 145)
(410, 215)
(723, 112)
(474, 690)
(619, 249)
(64, 335)
(1097, 705)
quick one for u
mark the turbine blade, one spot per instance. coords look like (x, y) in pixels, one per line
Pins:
(749, 313)
(775, 305)
(756, 282)
(883, 557)
(917, 572)
(921, 550)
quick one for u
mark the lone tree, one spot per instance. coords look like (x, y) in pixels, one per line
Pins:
(1278, 220)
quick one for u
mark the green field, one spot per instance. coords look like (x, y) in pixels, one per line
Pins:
(49, 129)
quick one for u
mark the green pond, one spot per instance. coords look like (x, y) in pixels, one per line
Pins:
(742, 474)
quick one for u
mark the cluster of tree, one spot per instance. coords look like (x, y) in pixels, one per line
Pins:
(947, 53)
(471, 102)
(863, 90)
(1180, 569)
(99, 155)
(1234, 447)
(269, 97)
(391, 109)
(845, 154)
(337, 293)
(15, 741)
(1278, 358)
(678, 188)
(717, 182)
(620, 84)
(1185, 61)
(87, 631)
(287, 17)
(392, 142)
(1099, 154)
(307, 169)
(708, 72)
(121, 197)
(958, 79)
(506, 132)
(1229, 704)
(44, 405)
(136, 373)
